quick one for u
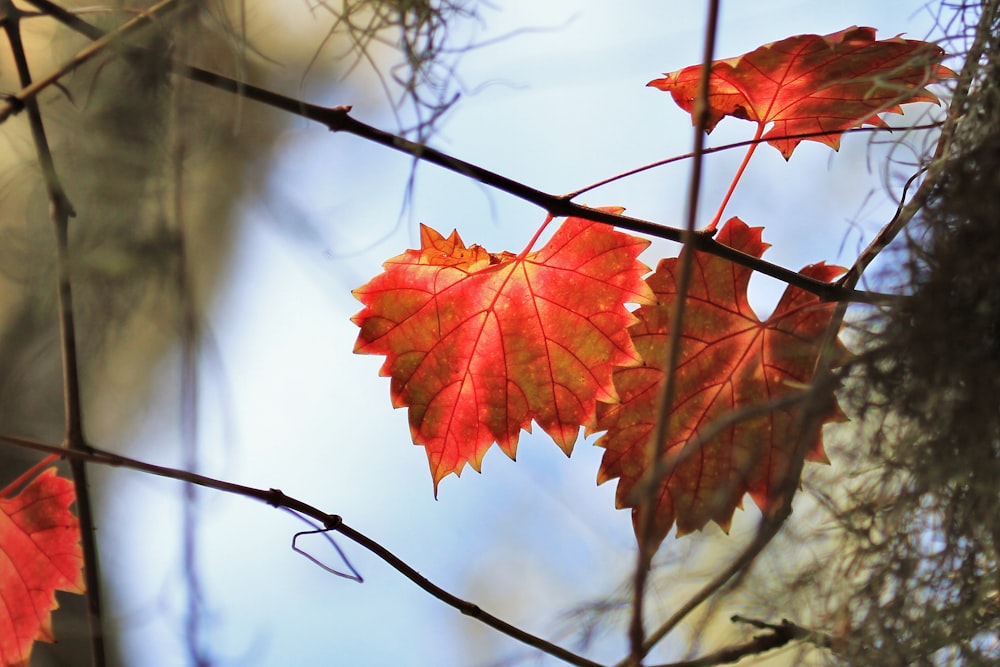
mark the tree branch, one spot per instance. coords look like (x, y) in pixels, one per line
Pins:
(777, 636)
(30, 91)
(337, 119)
(60, 211)
(333, 522)
(808, 419)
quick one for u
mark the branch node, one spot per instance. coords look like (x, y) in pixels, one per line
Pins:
(16, 103)
(276, 497)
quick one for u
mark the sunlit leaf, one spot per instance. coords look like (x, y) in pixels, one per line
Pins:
(39, 554)
(730, 360)
(479, 345)
(814, 83)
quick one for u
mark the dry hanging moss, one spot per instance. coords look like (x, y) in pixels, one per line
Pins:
(924, 525)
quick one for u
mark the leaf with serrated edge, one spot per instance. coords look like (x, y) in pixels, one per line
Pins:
(815, 83)
(729, 360)
(479, 345)
(39, 554)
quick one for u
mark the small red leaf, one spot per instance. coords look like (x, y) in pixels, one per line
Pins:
(478, 345)
(815, 83)
(39, 554)
(729, 360)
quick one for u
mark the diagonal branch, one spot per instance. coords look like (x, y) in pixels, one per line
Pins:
(769, 527)
(811, 404)
(777, 636)
(30, 90)
(333, 522)
(338, 119)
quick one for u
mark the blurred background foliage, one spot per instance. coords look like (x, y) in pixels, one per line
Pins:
(157, 169)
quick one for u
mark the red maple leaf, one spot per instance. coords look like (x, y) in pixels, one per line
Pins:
(39, 554)
(815, 83)
(478, 345)
(729, 360)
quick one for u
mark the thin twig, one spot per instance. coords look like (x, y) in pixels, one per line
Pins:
(277, 498)
(777, 636)
(30, 91)
(667, 464)
(337, 119)
(808, 418)
(803, 433)
(189, 384)
(739, 144)
(938, 162)
(60, 211)
(655, 446)
(769, 527)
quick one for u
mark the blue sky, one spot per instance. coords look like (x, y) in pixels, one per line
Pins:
(287, 405)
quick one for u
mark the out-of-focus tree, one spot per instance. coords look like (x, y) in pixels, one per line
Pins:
(156, 168)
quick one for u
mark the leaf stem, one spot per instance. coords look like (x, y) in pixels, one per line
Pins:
(755, 142)
(738, 144)
(534, 239)
(23, 478)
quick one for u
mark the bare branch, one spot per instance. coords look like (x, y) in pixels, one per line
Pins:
(337, 119)
(276, 498)
(777, 636)
(60, 211)
(30, 91)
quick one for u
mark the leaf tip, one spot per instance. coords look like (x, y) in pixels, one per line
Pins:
(662, 83)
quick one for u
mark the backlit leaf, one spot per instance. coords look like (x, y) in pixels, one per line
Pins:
(39, 554)
(729, 360)
(479, 345)
(815, 83)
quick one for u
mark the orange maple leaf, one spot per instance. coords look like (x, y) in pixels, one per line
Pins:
(39, 554)
(729, 360)
(815, 83)
(478, 345)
